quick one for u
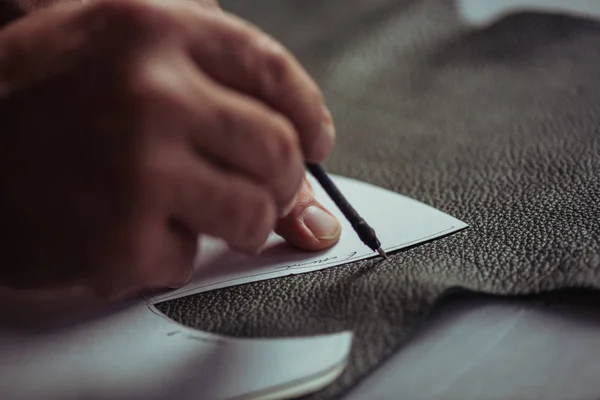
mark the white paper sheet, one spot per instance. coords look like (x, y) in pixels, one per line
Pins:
(399, 221)
(495, 348)
(137, 353)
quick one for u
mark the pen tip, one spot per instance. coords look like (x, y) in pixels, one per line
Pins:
(382, 253)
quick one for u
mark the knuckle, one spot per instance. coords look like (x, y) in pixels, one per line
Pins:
(257, 218)
(236, 42)
(123, 15)
(136, 85)
(136, 93)
(142, 81)
(277, 67)
(225, 121)
(259, 54)
(284, 160)
(143, 90)
(284, 145)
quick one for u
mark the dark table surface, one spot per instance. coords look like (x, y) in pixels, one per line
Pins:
(499, 127)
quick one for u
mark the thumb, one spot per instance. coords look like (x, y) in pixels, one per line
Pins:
(309, 225)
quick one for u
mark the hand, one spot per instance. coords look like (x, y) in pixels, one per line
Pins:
(12, 9)
(132, 127)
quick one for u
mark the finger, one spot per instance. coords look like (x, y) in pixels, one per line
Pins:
(207, 4)
(245, 59)
(147, 253)
(309, 225)
(224, 205)
(177, 268)
(243, 136)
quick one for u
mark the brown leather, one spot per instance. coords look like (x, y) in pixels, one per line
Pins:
(499, 127)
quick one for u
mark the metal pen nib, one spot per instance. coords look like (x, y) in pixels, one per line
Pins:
(382, 253)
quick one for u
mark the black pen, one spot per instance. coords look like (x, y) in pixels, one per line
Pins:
(360, 226)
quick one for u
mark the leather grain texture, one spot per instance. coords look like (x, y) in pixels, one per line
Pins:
(499, 127)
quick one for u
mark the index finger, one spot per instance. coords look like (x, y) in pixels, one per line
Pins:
(240, 56)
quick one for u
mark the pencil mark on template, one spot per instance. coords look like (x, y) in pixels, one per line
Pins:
(354, 256)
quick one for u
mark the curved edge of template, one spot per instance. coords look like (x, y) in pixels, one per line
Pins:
(311, 383)
(290, 367)
(136, 352)
(481, 13)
